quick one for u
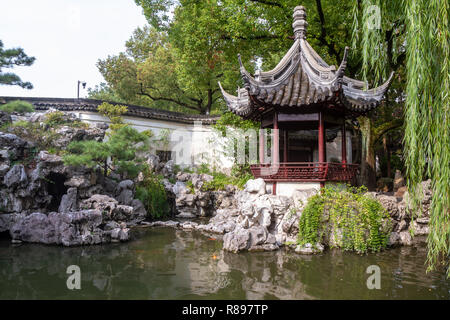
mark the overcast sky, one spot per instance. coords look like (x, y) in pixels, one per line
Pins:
(67, 37)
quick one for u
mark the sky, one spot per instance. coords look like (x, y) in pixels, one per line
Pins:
(67, 37)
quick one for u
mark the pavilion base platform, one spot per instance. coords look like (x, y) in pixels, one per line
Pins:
(289, 188)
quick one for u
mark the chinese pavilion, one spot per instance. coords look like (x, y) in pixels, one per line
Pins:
(305, 100)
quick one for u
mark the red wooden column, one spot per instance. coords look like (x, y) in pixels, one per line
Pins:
(344, 144)
(321, 143)
(321, 138)
(276, 147)
(276, 140)
(262, 144)
(285, 146)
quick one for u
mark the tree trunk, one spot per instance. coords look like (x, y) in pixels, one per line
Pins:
(105, 168)
(368, 170)
(209, 103)
(387, 154)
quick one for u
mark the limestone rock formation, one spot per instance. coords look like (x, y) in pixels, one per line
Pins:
(4, 118)
(259, 221)
(256, 186)
(249, 219)
(399, 181)
(191, 200)
(403, 221)
(42, 200)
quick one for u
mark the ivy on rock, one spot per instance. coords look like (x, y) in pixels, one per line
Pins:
(348, 219)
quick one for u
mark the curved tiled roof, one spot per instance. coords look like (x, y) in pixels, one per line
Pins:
(91, 105)
(302, 78)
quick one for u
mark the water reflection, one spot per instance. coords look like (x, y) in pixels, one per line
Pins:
(172, 264)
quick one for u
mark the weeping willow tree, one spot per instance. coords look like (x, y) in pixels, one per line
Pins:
(419, 30)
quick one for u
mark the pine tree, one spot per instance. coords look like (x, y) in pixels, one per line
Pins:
(10, 58)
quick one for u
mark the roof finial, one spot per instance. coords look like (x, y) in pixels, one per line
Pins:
(300, 24)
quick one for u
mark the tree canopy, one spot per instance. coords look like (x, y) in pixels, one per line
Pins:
(10, 58)
(420, 34)
(176, 61)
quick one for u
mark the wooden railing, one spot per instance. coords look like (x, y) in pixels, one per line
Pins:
(305, 171)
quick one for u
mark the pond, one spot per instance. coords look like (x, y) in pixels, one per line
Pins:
(164, 263)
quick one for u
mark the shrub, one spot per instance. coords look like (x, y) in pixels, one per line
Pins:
(241, 174)
(18, 106)
(43, 135)
(237, 178)
(54, 118)
(58, 118)
(190, 186)
(34, 132)
(363, 223)
(219, 181)
(152, 194)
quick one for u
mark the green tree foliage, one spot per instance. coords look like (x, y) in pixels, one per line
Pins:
(230, 120)
(114, 112)
(10, 58)
(420, 34)
(146, 74)
(262, 27)
(88, 153)
(176, 62)
(17, 106)
(105, 93)
(363, 222)
(122, 149)
(389, 55)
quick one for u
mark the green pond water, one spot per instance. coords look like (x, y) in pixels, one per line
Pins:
(163, 263)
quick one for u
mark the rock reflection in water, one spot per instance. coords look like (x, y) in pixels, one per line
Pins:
(172, 264)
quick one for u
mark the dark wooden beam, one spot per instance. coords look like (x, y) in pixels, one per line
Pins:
(333, 119)
(284, 117)
(266, 123)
